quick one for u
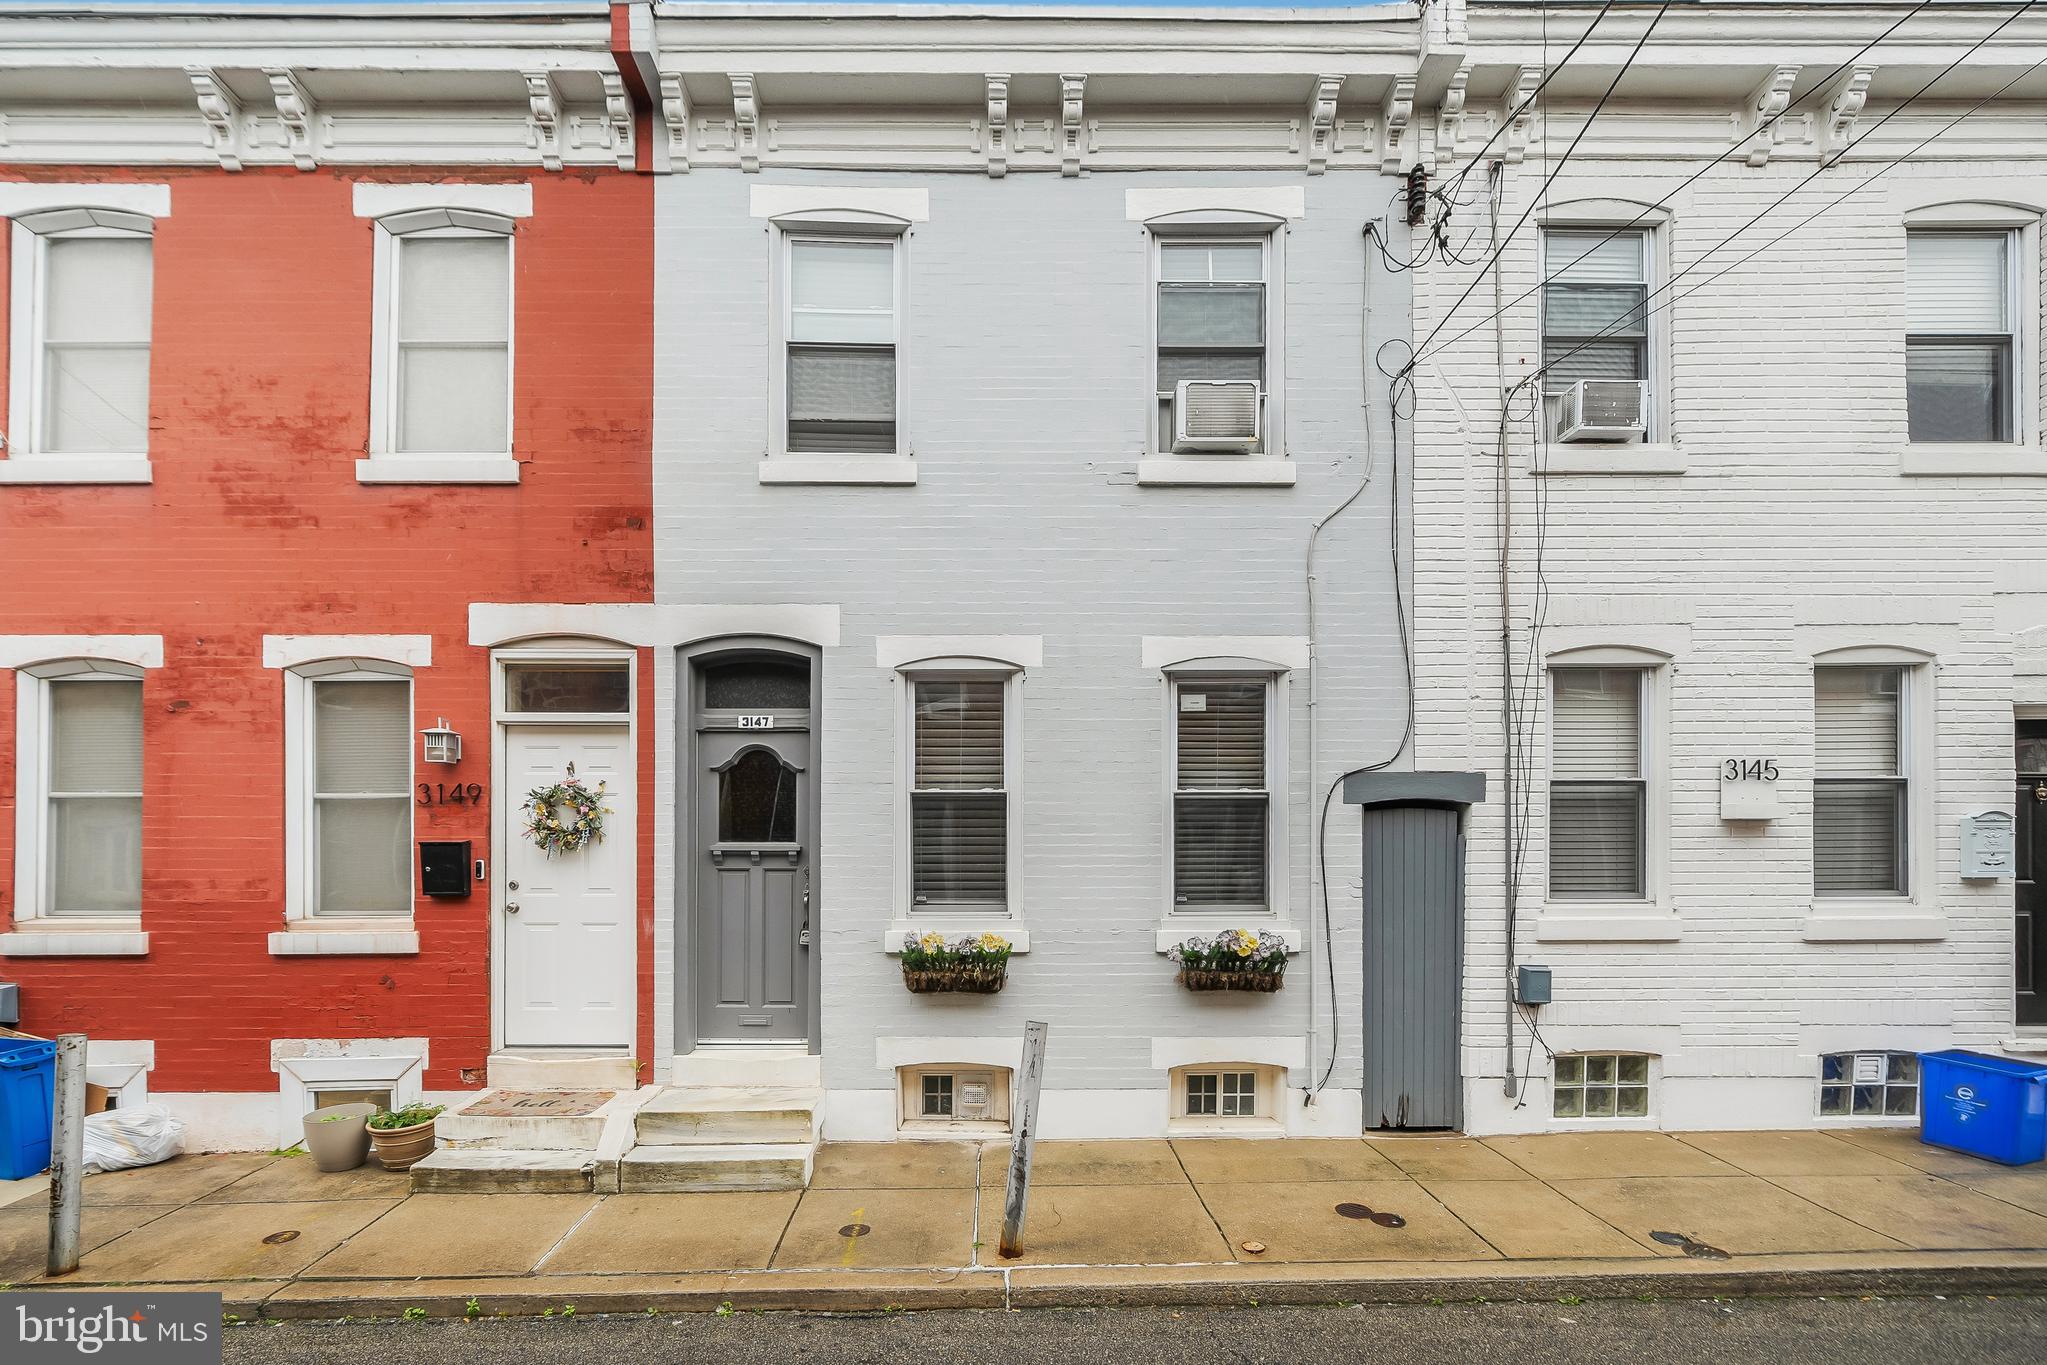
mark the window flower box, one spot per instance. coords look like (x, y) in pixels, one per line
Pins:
(1234, 960)
(977, 965)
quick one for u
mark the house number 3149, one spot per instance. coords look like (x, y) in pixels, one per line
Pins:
(449, 793)
(1749, 769)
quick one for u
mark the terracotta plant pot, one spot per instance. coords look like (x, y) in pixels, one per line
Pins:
(337, 1137)
(398, 1148)
(1211, 979)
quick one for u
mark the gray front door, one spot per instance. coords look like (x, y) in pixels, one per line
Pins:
(1413, 912)
(750, 927)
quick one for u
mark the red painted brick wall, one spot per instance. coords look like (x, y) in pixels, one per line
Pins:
(255, 525)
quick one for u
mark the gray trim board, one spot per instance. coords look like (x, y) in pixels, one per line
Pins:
(1411, 788)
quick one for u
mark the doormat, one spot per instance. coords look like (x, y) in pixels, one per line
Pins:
(538, 1104)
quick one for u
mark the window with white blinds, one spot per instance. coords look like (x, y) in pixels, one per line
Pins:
(959, 804)
(95, 798)
(1598, 797)
(1212, 316)
(453, 343)
(362, 797)
(1595, 305)
(1960, 341)
(96, 305)
(1221, 804)
(841, 345)
(1859, 782)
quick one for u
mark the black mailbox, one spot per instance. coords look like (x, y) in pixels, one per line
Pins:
(444, 867)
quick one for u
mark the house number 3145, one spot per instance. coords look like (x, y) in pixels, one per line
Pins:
(1749, 769)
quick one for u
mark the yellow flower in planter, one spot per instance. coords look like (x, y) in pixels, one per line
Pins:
(993, 943)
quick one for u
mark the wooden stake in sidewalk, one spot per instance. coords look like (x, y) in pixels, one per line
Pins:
(1024, 1108)
(67, 1154)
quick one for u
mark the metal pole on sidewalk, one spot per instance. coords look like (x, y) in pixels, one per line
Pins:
(67, 1154)
(1024, 1113)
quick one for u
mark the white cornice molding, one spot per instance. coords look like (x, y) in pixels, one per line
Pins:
(1842, 108)
(1450, 116)
(222, 112)
(544, 117)
(1322, 122)
(998, 125)
(1072, 133)
(746, 122)
(297, 111)
(1764, 116)
(675, 120)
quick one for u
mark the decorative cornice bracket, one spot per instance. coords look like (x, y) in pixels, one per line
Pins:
(746, 121)
(1450, 117)
(1322, 122)
(675, 118)
(1844, 108)
(1762, 117)
(998, 125)
(1393, 121)
(544, 118)
(1519, 113)
(298, 111)
(1072, 95)
(618, 118)
(223, 115)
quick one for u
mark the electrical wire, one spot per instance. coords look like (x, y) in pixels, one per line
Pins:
(1533, 95)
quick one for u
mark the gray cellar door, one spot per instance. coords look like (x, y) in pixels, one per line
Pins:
(1413, 921)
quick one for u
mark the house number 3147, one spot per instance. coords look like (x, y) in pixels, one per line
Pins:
(1749, 769)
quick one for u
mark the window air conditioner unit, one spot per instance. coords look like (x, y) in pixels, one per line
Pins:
(1602, 410)
(1216, 414)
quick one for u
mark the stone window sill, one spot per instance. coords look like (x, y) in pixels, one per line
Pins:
(398, 938)
(437, 469)
(1851, 922)
(1171, 933)
(839, 469)
(1628, 922)
(75, 469)
(1185, 1127)
(1973, 460)
(955, 927)
(1230, 471)
(1601, 457)
(72, 938)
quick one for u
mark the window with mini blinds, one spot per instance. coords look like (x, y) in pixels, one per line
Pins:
(1213, 329)
(959, 800)
(92, 274)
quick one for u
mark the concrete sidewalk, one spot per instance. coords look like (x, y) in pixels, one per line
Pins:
(913, 1225)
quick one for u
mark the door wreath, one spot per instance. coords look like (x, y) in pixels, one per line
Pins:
(566, 816)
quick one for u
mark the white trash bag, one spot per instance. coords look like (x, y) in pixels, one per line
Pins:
(142, 1136)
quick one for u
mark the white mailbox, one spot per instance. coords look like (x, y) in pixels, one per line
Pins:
(1748, 789)
(1987, 846)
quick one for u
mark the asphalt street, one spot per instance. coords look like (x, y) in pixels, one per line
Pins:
(1980, 1331)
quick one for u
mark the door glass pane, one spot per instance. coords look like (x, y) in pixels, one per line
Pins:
(569, 689)
(757, 800)
(757, 685)
(2030, 750)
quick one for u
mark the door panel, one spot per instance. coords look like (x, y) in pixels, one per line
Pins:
(568, 947)
(751, 907)
(1413, 913)
(2029, 898)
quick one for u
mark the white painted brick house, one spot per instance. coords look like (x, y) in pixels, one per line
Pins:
(1818, 560)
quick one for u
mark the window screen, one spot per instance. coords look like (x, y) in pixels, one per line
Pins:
(1220, 801)
(362, 797)
(959, 808)
(1596, 794)
(842, 345)
(1958, 342)
(1211, 315)
(1595, 315)
(95, 797)
(1859, 784)
(96, 320)
(454, 344)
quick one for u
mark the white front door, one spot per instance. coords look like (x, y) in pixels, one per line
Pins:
(568, 920)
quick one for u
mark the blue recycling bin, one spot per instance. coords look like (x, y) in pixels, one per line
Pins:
(28, 1098)
(1994, 1107)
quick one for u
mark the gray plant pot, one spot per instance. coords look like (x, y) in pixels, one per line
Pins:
(338, 1136)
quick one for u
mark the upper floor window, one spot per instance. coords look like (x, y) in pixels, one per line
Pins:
(1596, 321)
(1961, 344)
(959, 793)
(1216, 366)
(1598, 794)
(83, 322)
(841, 335)
(1221, 798)
(1860, 781)
(443, 378)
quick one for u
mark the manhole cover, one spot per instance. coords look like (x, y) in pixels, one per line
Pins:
(1379, 1216)
(531, 1104)
(278, 1239)
(855, 1230)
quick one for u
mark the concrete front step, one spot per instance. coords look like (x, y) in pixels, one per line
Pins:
(748, 1066)
(536, 1130)
(729, 1115)
(561, 1071)
(502, 1170)
(697, 1169)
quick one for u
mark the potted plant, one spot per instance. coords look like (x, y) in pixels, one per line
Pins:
(977, 965)
(337, 1135)
(1234, 960)
(403, 1136)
